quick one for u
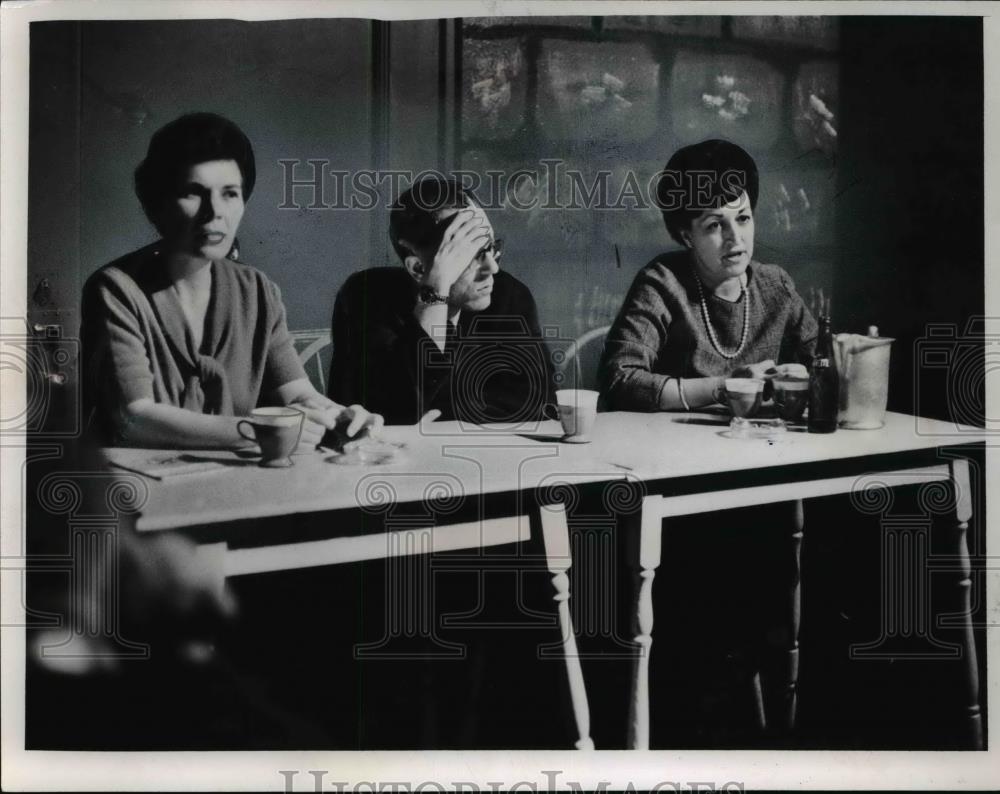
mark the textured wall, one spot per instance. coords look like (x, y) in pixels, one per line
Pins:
(865, 168)
(299, 90)
(620, 95)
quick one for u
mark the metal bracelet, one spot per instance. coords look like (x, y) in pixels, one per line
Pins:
(680, 393)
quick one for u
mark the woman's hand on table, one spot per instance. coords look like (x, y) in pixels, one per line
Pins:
(349, 423)
(353, 423)
(767, 371)
(791, 371)
(323, 416)
(762, 370)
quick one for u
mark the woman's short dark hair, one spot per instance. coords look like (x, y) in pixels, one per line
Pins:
(411, 217)
(703, 176)
(191, 139)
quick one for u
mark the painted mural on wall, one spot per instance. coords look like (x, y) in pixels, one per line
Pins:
(610, 98)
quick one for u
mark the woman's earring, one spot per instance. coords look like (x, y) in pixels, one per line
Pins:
(234, 252)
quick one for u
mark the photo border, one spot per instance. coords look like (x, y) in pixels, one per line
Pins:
(49, 770)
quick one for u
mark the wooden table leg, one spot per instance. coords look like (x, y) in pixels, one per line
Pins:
(650, 529)
(963, 512)
(794, 617)
(760, 715)
(558, 557)
(783, 650)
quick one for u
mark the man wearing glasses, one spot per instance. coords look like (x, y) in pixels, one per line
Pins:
(447, 331)
(451, 331)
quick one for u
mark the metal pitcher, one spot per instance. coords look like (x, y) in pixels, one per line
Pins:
(863, 364)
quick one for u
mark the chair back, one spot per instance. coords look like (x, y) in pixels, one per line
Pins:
(579, 367)
(314, 348)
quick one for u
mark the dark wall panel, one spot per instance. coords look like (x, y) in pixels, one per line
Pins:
(910, 204)
(300, 89)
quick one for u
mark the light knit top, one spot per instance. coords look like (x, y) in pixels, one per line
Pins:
(137, 345)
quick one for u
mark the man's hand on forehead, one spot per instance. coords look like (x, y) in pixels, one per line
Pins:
(468, 233)
(448, 217)
(470, 221)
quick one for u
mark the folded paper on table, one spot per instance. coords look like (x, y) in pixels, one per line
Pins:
(160, 466)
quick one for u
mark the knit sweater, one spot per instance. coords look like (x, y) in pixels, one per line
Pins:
(495, 367)
(136, 343)
(660, 332)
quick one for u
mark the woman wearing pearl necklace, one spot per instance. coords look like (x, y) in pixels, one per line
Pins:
(695, 317)
(691, 319)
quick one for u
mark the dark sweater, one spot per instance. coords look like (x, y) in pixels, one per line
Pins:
(660, 333)
(496, 369)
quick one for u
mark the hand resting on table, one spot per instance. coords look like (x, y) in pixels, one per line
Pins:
(767, 371)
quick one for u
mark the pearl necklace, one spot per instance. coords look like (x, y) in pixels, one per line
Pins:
(708, 322)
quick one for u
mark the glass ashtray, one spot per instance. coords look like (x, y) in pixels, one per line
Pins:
(741, 427)
(369, 452)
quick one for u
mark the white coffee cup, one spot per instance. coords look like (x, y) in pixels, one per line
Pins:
(577, 412)
(277, 432)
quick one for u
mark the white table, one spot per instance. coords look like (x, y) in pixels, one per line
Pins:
(460, 472)
(682, 463)
(688, 463)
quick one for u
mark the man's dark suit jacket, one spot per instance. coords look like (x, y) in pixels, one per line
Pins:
(495, 367)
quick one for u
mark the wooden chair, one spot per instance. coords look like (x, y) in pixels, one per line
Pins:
(579, 367)
(313, 347)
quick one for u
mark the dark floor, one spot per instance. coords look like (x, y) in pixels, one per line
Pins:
(715, 620)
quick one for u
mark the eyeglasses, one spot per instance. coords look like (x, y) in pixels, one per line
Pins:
(495, 248)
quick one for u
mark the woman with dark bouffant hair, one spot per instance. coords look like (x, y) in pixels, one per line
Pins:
(180, 339)
(693, 318)
(711, 311)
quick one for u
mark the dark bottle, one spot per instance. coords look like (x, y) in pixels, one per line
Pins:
(824, 383)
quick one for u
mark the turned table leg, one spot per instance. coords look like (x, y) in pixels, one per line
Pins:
(794, 618)
(760, 715)
(782, 651)
(650, 529)
(555, 531)
(963, 512)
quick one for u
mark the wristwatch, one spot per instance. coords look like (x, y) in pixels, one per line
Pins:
(427, 296)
